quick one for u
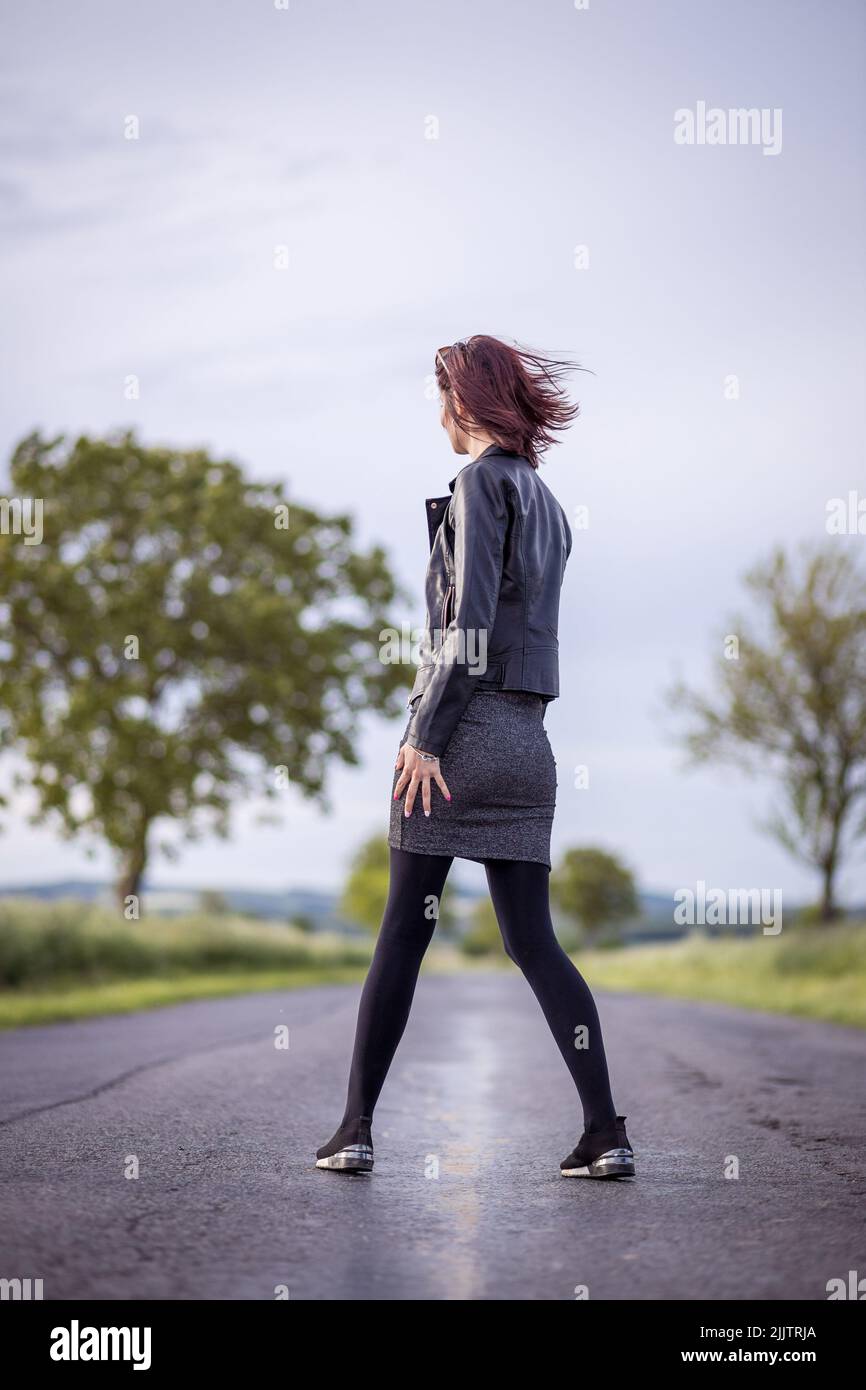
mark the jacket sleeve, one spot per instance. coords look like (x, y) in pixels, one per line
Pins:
(480, 516)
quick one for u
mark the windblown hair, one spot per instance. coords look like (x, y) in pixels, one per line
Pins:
(514, 395)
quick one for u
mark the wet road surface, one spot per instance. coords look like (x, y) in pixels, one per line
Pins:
(466, 1201)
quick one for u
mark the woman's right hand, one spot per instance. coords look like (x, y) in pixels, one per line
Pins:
(418, 772)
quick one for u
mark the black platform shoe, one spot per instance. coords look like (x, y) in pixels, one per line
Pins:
(605, 1153)
(350, 1150)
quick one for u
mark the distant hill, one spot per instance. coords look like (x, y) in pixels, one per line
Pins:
(320, 908)
(286, 906)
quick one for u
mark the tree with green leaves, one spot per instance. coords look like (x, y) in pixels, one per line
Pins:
(593, 887)
(789, 699)
(366, 889)
(213, 903)
(483, 937)
(180, 638)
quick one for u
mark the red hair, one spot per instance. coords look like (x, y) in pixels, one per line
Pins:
(510, 393)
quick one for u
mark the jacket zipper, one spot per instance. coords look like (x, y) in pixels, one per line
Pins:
(446, 603)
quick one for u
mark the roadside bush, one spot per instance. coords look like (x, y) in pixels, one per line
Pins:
(65, 941)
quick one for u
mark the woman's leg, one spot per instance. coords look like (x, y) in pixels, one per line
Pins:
(520, 893)
(410, 916)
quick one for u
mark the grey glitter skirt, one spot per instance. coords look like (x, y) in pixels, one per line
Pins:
(501, 773)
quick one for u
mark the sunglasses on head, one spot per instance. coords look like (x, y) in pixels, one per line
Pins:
(441, 351)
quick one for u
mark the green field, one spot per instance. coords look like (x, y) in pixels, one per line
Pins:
(815, 972)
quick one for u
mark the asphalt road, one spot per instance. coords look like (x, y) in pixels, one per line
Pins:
(228, 1203)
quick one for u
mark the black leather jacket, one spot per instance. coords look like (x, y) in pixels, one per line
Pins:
(498, 547)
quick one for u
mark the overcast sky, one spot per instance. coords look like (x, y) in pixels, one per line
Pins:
(308, 128)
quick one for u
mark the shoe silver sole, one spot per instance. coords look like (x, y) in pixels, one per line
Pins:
(356, 1158)
(614, 1163)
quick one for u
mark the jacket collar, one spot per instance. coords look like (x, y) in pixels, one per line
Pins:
(437, 506)
(485, 453)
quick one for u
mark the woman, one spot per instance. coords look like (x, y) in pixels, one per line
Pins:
(475, 776)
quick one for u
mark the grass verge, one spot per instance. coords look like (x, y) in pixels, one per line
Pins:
(814, 972)
(55, 1004)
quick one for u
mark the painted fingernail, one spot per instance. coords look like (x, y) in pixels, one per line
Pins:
(426, 813)
(448, 798)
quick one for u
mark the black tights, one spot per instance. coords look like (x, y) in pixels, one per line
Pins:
(520, 896)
